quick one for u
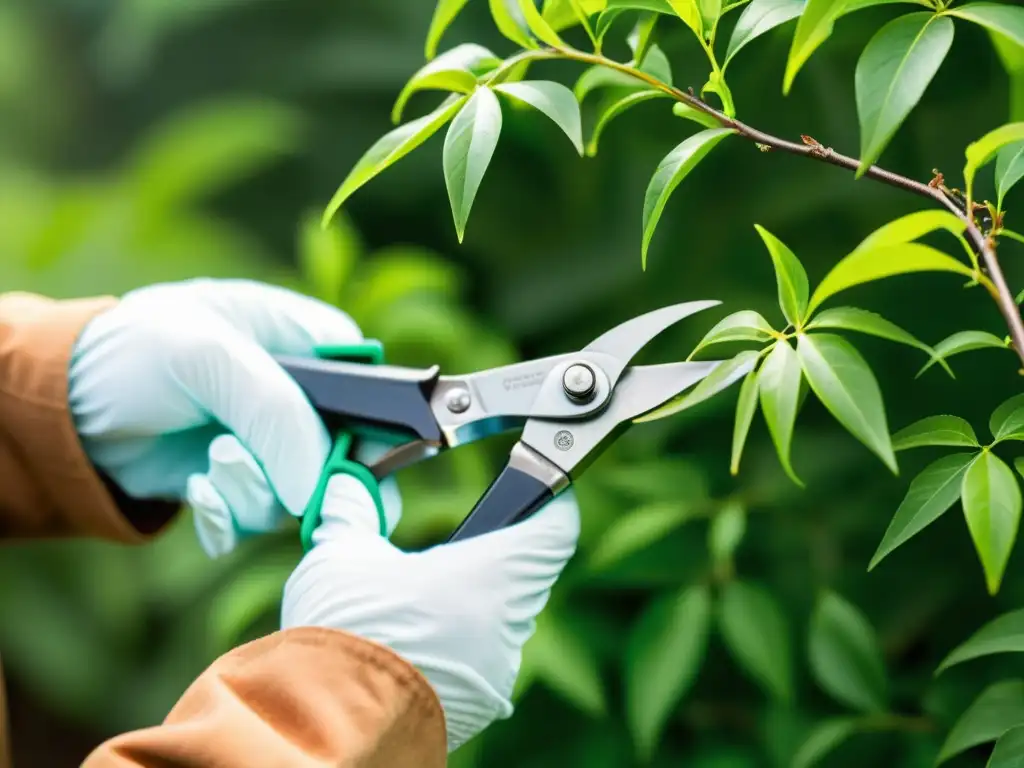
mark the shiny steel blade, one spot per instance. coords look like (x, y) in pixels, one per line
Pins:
(643, 388)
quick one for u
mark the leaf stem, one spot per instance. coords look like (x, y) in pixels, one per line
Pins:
(979, 242)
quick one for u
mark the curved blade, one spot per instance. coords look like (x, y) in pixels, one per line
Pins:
(624, 341)
(643, 388)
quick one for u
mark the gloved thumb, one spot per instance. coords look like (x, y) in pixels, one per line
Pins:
(348, 512)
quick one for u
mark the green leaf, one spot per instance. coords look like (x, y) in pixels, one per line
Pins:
(790, 277)
(664, 654)
(552, 99)
(721, 378)
(655, 64)
(1009, 170)
(508, 18)
(894, 70)
(912, 227)
(758, 18)
(992, 506)
(854, 319)
(779, 387)
(615, 107)
(963, 341)
(936, 430)
(1007, 421)
(867, 264)
(1018, 464)
(670, 172)
(689, 12)
(930, 495)
(562, 14)
(1007, 20)
(637, 530)
(444, 14)
(980, 152)
(1004, 634)
(845, 657)
(710, 11)
(468, 149)
(641, 38)
(844, 383)
(616, 8)
(391, 148)
(755, 631)
(454, 70)
(536, 23)
(824, 738)
(562, 657)
(813, 29)
(745, 325)
(997, 709)
(1009, 750)
(679, 109)
(726, 531)
(746, 406)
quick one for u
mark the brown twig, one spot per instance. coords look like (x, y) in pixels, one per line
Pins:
(809, 147)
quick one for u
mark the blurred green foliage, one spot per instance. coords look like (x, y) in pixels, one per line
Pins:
(708, 621)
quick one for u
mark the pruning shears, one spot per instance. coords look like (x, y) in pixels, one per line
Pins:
(570, 408)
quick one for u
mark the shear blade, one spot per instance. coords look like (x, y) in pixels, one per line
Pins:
(643, 388)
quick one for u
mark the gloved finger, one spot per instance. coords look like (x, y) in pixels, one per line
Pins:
(367, 452)
(233, 499)
(240, 385)
(348, 512)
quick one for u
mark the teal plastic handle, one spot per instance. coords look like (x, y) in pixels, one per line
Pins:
(340, 460)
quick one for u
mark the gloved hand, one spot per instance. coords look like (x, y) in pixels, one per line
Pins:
(175, 395)
(460, 613)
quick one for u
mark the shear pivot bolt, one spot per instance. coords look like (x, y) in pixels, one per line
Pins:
(579, 382)
(458, 400)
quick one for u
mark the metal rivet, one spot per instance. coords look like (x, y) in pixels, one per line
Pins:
(458, 400)
(579, 381)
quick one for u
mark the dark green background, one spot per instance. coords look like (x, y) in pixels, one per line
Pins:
(97, 639)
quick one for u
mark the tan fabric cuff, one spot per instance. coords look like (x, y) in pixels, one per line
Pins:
(52, 488)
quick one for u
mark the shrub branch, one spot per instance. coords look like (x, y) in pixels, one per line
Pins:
(982, 244)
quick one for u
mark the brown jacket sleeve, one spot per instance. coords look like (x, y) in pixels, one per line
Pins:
(297, 698)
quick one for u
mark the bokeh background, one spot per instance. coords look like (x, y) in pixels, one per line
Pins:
(147, 140)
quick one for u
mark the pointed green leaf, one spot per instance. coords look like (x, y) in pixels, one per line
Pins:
(790, 277)
(454, 70)
(854, 319)
(745, 325)
(710, 11)
(679, 109)
(726, 531)
(641, 38)
(992, 506)
(1004, 634)
(999, 708)
(508, 18)
(444, 14)
(929, 497)
(844, 383)
(468, 149)
(612, 108)
(563, 14)
(746, 405)
(980, 152)
(615, 8)
(554, 100)
(823, 738)
(664, 654)
(689, 12)
(723, 377)
(779, 387)
(637, 530)
(1009, 750)
(845, 656)
(1009, 170)
(577, 677)
(912, 227)
(894, 70)
(758, 18)
(863, 266)
(1002, 18)
(963, 341)
(538, 25)
(755, 630)
(936, 430)
(391, 148)
(1007, 421)
(670, 172)
(655, 64)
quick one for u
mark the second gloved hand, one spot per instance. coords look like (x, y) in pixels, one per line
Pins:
(460, 613)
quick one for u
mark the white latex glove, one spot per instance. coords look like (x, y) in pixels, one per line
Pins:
(460, 613)
(174, 393)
